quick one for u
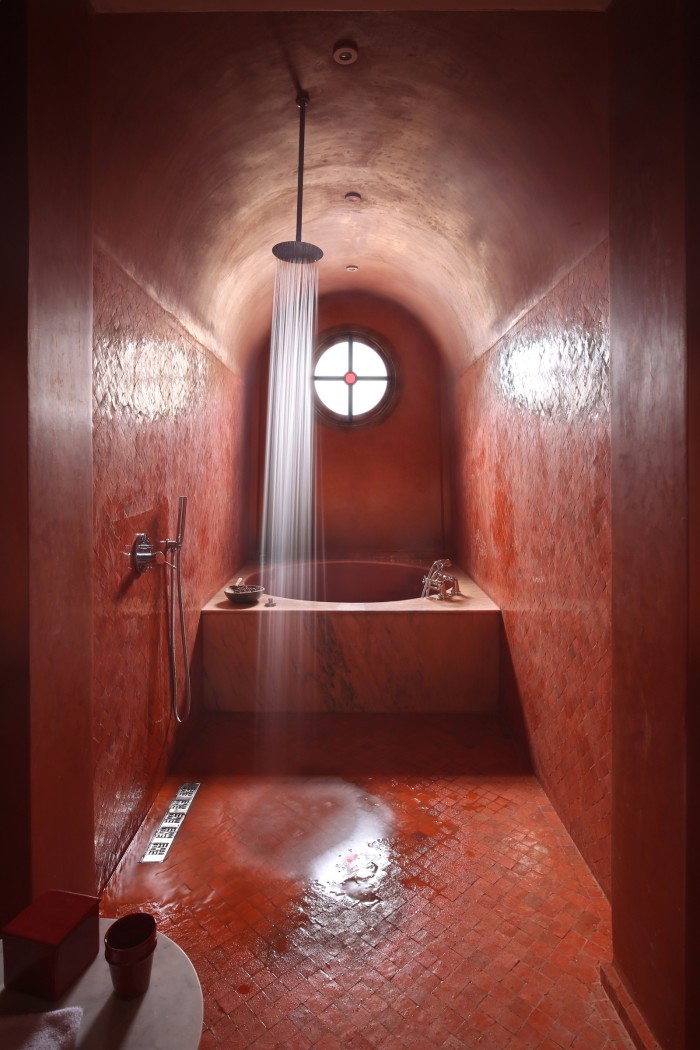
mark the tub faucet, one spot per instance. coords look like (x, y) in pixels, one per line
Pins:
(439, 582)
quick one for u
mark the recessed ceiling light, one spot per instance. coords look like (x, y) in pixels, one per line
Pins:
(352, 268)
(345, 52)
(353, 197)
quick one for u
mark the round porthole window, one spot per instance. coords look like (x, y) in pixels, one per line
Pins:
(353, 378)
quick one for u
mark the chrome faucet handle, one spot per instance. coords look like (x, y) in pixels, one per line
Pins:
(437, 566)
(142, 553)
(448, 586)
(145, 554)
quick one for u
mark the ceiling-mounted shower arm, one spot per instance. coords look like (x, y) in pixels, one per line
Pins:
(302, 103)
(298, 251)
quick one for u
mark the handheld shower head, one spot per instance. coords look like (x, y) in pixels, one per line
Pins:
(181, 515)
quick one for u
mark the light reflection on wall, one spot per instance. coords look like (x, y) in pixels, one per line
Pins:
(534, 502)
(146, 378)
(557, 375)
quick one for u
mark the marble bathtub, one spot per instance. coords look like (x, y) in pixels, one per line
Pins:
(372, 645)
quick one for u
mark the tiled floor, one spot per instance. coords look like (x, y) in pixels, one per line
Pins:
(375, 881)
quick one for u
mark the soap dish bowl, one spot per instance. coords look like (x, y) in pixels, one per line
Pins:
(243, 593)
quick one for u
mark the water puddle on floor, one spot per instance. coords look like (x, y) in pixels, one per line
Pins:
(324, 831)
(298, 860)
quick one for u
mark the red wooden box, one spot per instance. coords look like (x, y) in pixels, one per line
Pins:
(49, 944)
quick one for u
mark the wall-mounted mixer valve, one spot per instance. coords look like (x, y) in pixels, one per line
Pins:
(144, 554)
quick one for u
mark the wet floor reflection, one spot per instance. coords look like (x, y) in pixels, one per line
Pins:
(323, 830)
(424, 908)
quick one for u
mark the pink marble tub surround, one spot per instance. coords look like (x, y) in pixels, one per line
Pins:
(413, 654)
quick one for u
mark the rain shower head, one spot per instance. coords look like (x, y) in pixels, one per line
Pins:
(298, 251)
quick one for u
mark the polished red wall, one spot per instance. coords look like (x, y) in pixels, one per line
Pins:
(45, 632)
(168, 421)
(60, 447)
(47, 475)
(654, 482)
(380, 487)
(15, 878)
(533, 529)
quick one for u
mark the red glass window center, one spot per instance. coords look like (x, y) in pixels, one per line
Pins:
(350, 378)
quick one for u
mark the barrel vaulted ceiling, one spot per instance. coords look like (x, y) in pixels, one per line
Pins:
(476, 139)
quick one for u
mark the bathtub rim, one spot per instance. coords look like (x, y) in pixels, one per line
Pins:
(471, 598)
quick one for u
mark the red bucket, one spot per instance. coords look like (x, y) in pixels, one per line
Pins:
(129, 946)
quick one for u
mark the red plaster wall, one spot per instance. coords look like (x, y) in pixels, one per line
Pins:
(168, 421)
(533, 528)
(45, 646)
(56, 439)
(655, 818)
(692, 247)
(380, 486)
(482, 163)
(15, 878)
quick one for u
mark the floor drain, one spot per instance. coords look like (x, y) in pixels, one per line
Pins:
(169, 826)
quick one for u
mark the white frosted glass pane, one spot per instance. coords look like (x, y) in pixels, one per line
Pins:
(333, 361)
(334, 395)
(367, 393)
(366, 361)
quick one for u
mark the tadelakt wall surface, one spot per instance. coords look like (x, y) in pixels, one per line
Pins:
(45, 645)
(654, 353)
(379, 485)
(533, 529)
(167, 421)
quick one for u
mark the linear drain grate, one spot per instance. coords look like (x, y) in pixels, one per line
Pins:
(169, 826)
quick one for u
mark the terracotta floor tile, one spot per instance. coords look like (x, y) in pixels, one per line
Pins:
(396, 882)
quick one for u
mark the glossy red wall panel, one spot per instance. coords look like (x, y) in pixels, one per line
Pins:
(168, 421)
(654, 819)
(15, 878)
(533, 529)
(60, 445)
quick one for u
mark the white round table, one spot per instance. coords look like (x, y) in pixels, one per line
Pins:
(167, 1017)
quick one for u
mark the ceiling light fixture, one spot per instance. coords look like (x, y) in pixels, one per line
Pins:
(353, 197)
(345, 52)
(352, 268)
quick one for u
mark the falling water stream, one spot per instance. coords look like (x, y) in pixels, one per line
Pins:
(288, 529)
(288, 538)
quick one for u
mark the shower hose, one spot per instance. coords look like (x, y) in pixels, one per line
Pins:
(175, 588)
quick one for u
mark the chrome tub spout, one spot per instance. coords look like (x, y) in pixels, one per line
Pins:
(438, 583)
